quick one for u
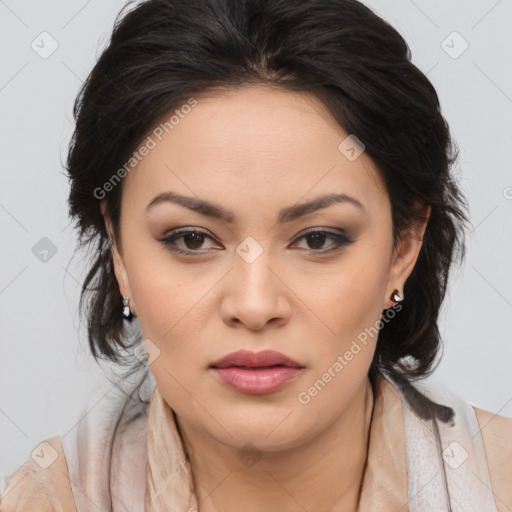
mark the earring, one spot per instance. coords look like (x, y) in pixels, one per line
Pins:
(395, 296)
(126, 307)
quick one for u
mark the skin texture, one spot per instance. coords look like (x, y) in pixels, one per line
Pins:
(254, 151)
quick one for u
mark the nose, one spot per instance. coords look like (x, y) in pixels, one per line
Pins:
(256, 294)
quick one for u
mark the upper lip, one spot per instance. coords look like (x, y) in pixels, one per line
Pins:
(255, 359)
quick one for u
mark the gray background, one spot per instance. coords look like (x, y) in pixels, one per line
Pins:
(46, 374)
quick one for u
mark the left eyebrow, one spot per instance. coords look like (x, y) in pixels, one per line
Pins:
(285, 215)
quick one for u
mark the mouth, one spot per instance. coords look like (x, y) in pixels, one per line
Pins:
(256, 360)
(256, 373)
(254, 367)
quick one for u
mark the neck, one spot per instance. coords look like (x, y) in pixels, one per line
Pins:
(325, 474)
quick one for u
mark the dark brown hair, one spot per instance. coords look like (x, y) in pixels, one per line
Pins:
(163, 52)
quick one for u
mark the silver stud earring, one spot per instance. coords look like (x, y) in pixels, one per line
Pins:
(126, 307)
(395, 296)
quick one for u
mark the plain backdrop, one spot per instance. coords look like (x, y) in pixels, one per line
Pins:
(47, 50)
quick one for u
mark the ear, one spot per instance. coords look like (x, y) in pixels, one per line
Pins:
(118, 260)
(406, 255)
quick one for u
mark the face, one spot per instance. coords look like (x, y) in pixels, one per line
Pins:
(306, 282)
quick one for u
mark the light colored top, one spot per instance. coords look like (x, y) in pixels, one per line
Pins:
(147, 469)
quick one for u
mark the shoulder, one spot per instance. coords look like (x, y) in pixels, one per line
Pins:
(496, 433)
(496, 430)
(487, 433)
(41, 483)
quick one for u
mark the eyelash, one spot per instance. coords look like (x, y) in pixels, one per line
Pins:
(341, 240)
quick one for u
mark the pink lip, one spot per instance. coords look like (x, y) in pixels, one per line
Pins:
(260, 359)
(256, 372)
(256, 381)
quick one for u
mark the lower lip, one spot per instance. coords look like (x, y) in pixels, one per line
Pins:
(257, 381)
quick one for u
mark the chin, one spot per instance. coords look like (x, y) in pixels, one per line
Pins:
(254, 443)
(270, 432)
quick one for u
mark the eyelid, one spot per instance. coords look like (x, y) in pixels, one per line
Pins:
(307, 231)
(187, 229)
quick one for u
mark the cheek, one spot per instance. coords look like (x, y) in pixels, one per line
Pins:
(165, 308)
(173, 308)
(159, 293)
(348, 296)
(348, 304)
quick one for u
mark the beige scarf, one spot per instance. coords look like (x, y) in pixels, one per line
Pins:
(446, 468)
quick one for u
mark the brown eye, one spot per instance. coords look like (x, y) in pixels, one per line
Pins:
(316, 239)
(191, 241)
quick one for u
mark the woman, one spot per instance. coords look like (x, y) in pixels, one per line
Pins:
(266, 189)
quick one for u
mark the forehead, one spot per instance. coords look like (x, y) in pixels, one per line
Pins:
(251, 144)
